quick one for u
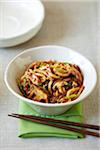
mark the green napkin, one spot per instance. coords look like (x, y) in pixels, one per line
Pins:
(29, 129)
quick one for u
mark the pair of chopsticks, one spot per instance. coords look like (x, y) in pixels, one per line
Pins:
(61, 124)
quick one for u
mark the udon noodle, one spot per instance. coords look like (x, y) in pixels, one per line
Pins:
(51, 82)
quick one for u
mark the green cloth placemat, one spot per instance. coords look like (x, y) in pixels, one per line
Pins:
(29, 129)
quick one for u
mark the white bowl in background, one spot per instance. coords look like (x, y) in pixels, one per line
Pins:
(19, 21)
(18, 65)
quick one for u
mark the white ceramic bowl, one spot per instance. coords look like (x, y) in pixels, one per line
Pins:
(19, 21)
(17, 66)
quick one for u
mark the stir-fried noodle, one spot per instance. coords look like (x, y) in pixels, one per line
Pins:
(51, 82)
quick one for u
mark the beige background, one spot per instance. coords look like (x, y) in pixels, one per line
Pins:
(72, 24)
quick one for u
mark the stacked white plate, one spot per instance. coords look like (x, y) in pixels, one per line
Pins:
(20, 20)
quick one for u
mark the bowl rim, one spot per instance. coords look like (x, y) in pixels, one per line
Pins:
(47, 104)
(30, 29)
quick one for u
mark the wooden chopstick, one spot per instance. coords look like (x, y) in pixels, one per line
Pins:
(84, 132)
(90, 126)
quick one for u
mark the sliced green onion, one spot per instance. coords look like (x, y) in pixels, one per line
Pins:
(68, 84)
(66, 63)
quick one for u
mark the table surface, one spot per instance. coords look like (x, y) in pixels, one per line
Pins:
(72, 24)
